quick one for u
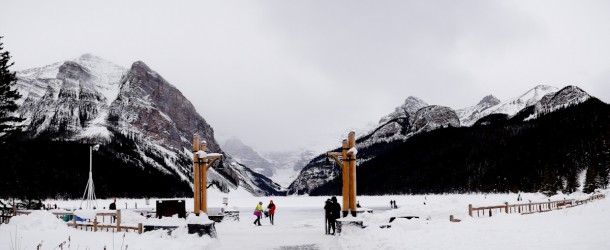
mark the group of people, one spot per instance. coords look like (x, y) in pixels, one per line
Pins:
(269, 212)
(393, 204)
(332, 211)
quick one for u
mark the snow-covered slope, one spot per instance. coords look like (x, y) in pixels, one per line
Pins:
(288, 164)
(246, 155)
(70, 98)
(89, 99)
(568, 96)
(468, 116)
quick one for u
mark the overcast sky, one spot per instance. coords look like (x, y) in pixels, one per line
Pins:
(298, 74)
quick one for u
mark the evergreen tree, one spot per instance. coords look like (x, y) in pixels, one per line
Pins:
(8, 95)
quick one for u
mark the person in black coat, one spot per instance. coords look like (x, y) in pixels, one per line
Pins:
(335, 213)
(112, 207)
(327, 214)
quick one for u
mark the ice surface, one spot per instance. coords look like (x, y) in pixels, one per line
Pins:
(299, 222)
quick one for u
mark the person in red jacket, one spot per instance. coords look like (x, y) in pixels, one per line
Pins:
(271, 208)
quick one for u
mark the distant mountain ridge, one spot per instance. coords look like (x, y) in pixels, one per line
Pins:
(141, 121)
(415, 117)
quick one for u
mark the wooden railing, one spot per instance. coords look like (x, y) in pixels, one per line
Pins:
(528, 208)
(94, 225)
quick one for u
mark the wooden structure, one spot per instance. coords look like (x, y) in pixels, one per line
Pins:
(202, 161)
(169, 208)
(528, 208)
(95, 225)
(347, 160)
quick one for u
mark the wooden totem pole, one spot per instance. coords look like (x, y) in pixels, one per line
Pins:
(202, 161)
(348, 169)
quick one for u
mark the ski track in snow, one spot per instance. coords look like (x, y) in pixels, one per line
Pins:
(299, 225)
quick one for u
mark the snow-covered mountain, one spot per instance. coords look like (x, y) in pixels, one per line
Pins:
(246, 155)
(468, 116)
(288, 164)
(433, 117)
(91, 100)
(416, 116)
(568, 96)
(412, 117)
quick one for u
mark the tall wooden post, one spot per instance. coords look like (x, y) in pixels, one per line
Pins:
(351, 138)
(196, 176)
(118, 220)
(204, 180)
(346, 179)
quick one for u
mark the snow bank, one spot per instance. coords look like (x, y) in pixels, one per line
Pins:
(129, 217)
(166, 221)
(86, 214)
(37, 220)
(201, 219)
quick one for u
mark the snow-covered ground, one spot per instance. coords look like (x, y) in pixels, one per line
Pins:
(299, 222)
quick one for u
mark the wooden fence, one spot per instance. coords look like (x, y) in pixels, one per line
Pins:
(528, 208)
(89, 225)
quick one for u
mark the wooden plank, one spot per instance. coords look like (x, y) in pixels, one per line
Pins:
(204, 181)
(118, 220)
(345, 174)
(351, 141)
(196, 175)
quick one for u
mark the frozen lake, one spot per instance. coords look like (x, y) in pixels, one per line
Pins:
(299, 224)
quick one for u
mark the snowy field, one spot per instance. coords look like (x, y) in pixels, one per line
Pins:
(299, 224)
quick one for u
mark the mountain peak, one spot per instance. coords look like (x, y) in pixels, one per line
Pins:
(544, 87)
(489, 101)
(88, 56)
(407, 109)
(140, 65)
(414, 100)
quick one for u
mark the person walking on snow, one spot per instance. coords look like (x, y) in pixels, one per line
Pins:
(271, 208)
(258, 211)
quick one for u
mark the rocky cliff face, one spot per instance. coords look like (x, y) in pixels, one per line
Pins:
(433, 117)
(397, 124)
(568, 96)
(91, 100)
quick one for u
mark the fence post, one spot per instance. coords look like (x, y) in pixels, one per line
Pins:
(139, 228)
(95, 224)
(14, 208)
(506, 209)
(470, 210)
(73, 219)
(118, 220)
(490, 212)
